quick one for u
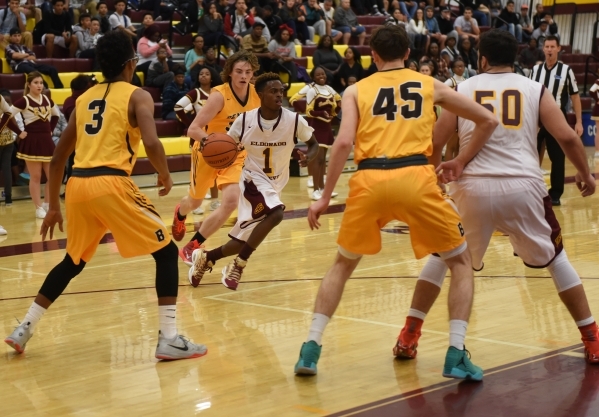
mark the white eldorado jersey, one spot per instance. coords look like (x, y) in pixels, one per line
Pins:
(511, 151)
(269, 143)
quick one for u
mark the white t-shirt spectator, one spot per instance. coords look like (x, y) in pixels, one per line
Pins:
(466, 25)
(117, 20)
(329, 14)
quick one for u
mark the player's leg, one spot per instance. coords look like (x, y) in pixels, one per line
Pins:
(558, 169)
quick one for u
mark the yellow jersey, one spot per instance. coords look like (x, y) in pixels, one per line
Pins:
(396, 115)
(105, 139)
(233, 107)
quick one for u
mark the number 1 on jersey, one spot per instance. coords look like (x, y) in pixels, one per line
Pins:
(267, 161)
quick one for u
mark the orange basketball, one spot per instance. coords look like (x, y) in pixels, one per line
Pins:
(220, 150)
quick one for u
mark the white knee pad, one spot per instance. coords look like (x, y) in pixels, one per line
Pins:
(454, 252)
(347, 254)
(563, 273)
(434, 271)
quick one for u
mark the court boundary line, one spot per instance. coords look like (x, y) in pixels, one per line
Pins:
(440, 385)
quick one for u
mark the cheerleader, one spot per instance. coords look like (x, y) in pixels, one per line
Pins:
(189, 106)
(595, 115)
(36, 147)
(322, 104)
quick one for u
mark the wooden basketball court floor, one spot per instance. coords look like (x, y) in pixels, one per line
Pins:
(93, 352)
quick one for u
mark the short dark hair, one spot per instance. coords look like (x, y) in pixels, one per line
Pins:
(509, 2)
(95, 19)
(80, 82)
(390, 42)
(147, 14)
(83, 16)
(264, 79)
(499, 47)
(56, 1)
(455, 62)
(467, 8)
(4, 92)
(121, 1)
(101, 3)
(552, 38)
(112, 51)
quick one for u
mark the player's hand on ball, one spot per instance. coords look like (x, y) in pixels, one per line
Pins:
(52, 218)
(449, 171)
(303, 158)
(315, 210)
(585, 185)
(166, 184)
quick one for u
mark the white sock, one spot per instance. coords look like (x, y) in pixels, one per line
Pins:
(34, 315)
(416, 313)
(319, 322)
(585, 322)
(168, 321)
(457, 333)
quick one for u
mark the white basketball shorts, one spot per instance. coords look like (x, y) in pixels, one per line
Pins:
(258, 198)
(518, 207)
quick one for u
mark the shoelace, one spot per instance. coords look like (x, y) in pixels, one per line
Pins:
(235, 272)
(199, 272)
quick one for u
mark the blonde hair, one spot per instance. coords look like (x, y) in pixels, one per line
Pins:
(30, 77)
(239, 56)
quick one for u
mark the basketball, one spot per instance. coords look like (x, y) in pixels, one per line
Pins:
(219, 150)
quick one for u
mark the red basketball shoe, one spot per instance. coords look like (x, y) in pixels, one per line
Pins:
(178, 228)
(407, 341)
(186, 251)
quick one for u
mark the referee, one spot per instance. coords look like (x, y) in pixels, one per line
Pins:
(559, 80)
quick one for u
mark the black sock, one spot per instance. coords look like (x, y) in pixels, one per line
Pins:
(215, 254)
(180, 217)
(199, 238)
(245, 252)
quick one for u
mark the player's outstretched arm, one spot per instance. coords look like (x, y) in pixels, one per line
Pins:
(64, 148)
(485, 124)
(554, 121)
(143, 107)
(213, 105)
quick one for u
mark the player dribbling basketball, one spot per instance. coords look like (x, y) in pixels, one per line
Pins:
(269, 135)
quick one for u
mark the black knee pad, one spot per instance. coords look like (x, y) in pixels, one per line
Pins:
(167, 270)
(60, 276)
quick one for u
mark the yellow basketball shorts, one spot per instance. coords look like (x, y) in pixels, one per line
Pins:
(410, 195)
(95, 205)
(202, 175)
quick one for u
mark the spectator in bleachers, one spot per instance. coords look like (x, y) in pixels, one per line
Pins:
(79, 85)
(531, 55)
(469, 55)
(408, 8)
(272, 20)
(77, 7)
(238, 22)
(450, 52)
(412, 65)
(434, 55)
(87, 41)
(327, 57)
(510, 21)
(257, 13)
(478, 9)
(149, 44)
(329, 13)
(458, 69)
(195, 55)
(58, 30)
(189, 106)
(212, 28)
(60, 126)
(159, 75)
(467, 26)
(32, 9)
(351, 67)
(174, 92)
(542, 32)
(527, 27)
(162, 10)
(445, 24)
(40, 116)
(418, 28)
(22, 59)
(211, 59)
(541, 15)
(257, 43)
(432, 25)
(426, 68)
(284, 50)
(346, 22)
(314, 18)
(119, 20)
(295, 18)
(85, 21)
(12, 17)
(147, 21)
(103, 17)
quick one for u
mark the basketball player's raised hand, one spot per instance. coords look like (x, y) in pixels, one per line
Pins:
(585, 185)
(52, 217)
(166, 184)
(449, 171)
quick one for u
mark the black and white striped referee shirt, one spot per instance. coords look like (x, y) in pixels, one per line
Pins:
(559, 80)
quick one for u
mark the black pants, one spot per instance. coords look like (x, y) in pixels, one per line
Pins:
(558, 163)
(6, 167)
(27, 67)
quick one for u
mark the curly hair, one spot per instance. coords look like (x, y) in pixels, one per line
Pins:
(264, 79)
(112, 52)
(239, 56)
